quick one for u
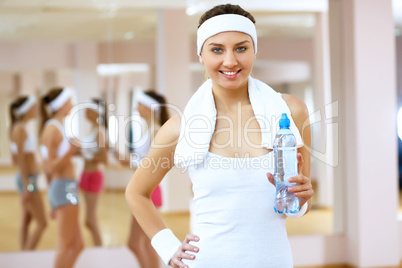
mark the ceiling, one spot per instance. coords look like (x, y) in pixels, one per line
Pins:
(107, 20)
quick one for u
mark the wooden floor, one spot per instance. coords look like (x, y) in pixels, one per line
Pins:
(114, 218)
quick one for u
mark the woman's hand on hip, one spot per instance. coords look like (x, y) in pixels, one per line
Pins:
(180, 254)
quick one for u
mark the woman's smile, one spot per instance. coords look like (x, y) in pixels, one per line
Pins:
(230, 74)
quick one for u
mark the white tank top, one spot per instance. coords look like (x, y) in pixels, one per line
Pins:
(13, 148)
(64, 146)
(144, 144)
(141, 147)
(234, 214)
(89, 145)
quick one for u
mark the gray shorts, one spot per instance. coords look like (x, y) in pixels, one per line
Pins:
(62, 192)
(32, 183)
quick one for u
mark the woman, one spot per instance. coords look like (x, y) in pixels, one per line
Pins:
(57, 155)
(23, 149)
(152, 110)
(94, 151)
(224, 139)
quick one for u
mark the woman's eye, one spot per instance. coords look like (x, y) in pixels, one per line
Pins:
(241, 49)
(216, 50)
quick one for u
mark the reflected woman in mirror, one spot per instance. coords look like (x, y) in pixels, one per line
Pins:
(23, 148)
(94, 151)
(57, 153)
(224, 140)
(153, 112)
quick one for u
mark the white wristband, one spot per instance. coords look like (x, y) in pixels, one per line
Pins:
(301, 212)
(165, 244)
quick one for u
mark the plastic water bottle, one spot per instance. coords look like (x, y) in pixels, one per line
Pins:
(285, 167)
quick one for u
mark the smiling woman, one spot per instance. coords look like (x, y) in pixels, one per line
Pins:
(51, 43)
(235, 224)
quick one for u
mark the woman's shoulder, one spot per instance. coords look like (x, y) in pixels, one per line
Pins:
(169, 132)
(49, 129)
(49, 133)
(296, 105)
(297, 108)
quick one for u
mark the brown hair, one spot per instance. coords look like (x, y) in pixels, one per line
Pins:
(45, 100)
(15, 105)
(225, 9)
(102, 104)
(164, 115)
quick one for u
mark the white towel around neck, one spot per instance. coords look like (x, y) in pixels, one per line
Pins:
(199, 118)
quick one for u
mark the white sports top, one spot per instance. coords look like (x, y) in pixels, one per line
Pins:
(144, 144)
(89, 145)
(13, 147)
(142, 147)
(234, 214)
(64, 146)
(30, 143)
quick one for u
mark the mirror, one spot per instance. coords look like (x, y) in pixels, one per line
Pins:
(108, 50)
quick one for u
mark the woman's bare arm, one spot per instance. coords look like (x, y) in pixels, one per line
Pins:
(20, 136)
(149, 174)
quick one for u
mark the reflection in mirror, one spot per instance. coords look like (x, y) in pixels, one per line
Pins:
(107, 52)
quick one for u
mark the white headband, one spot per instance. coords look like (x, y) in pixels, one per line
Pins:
(98, 108)
(225, 23)
(60, 100)
(147, 100)
(26, 106)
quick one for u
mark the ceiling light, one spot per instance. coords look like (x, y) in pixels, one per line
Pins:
(123, 68)
(193, 9)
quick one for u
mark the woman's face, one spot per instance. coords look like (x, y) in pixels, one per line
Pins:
(228, 58)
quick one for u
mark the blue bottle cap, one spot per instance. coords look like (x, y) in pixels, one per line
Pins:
(284, 122)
